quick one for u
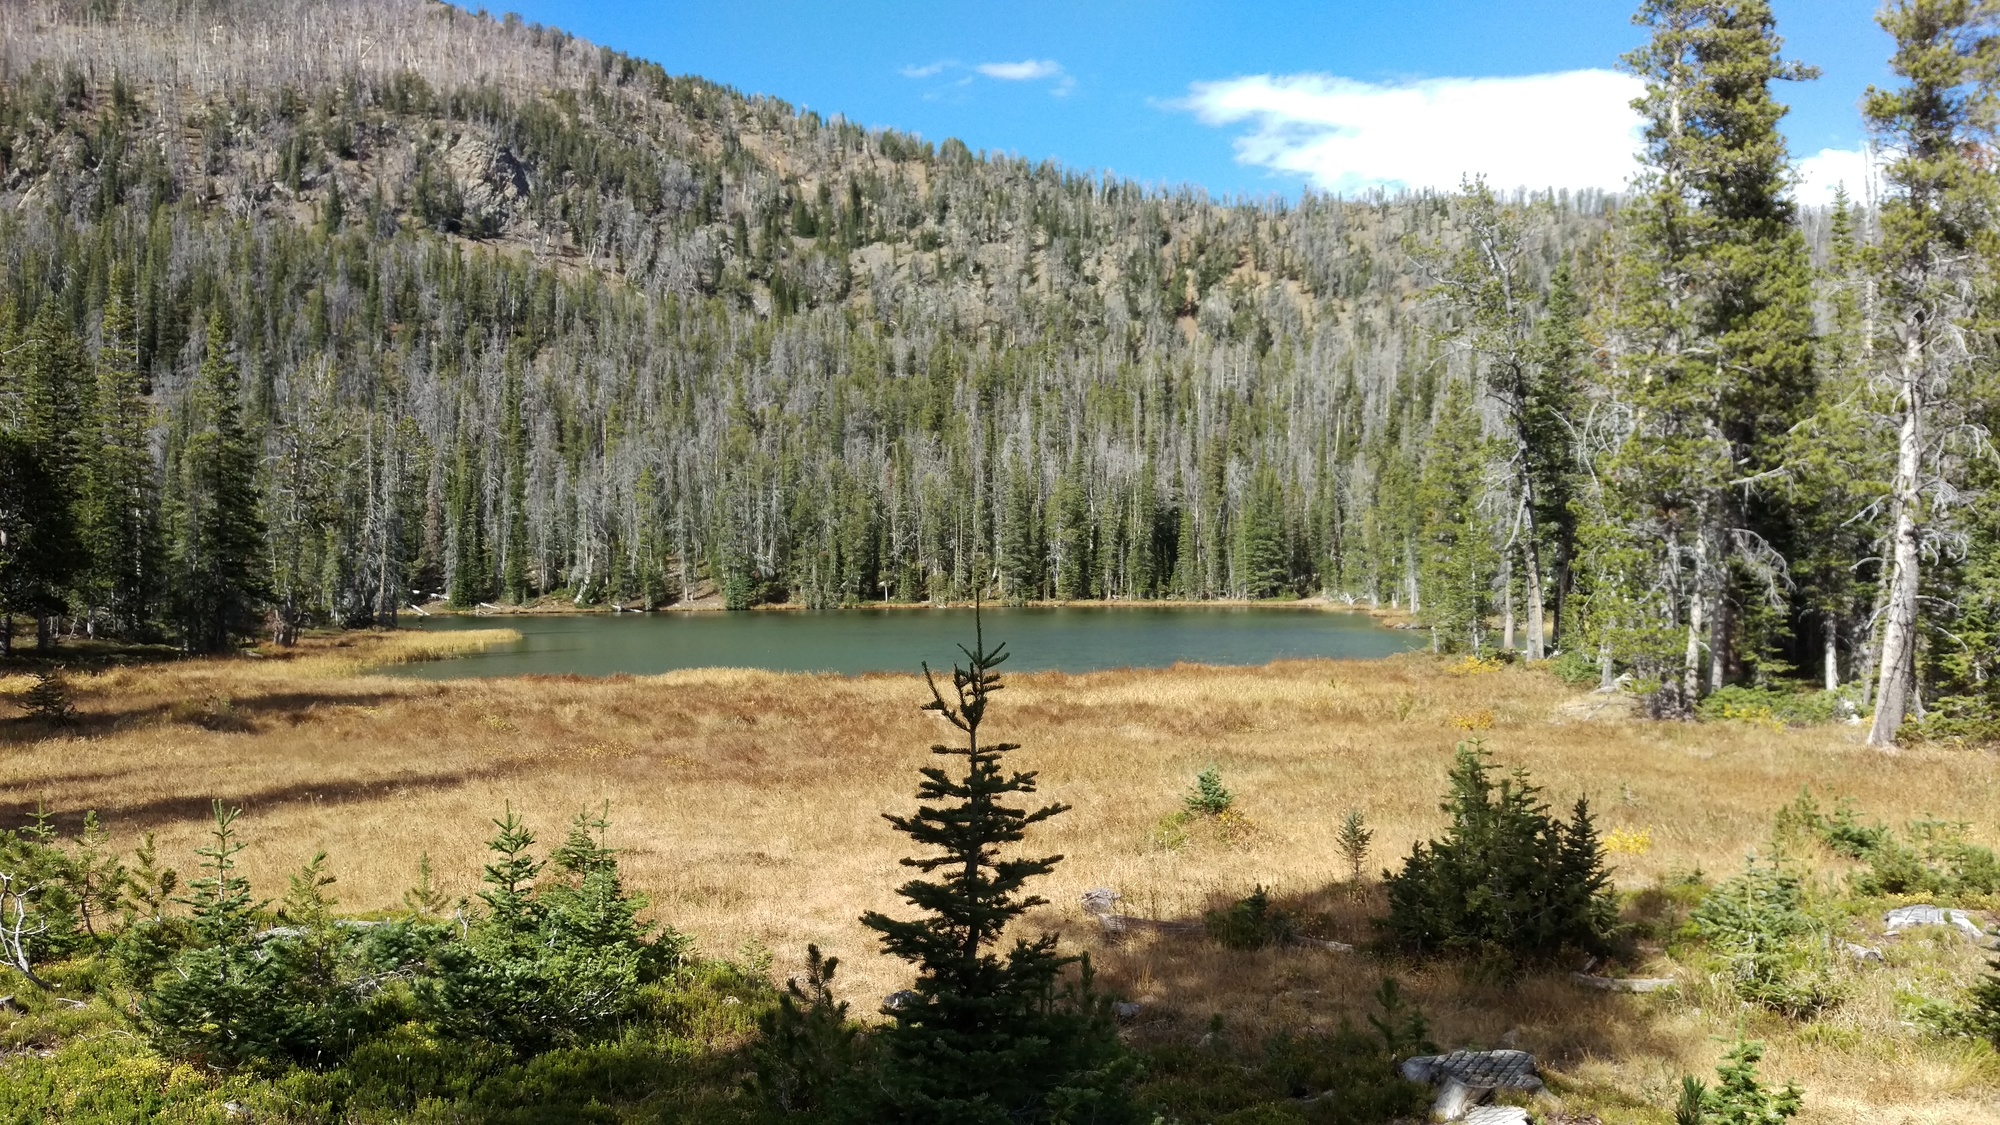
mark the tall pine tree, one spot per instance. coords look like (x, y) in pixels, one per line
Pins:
(218, 531)
(1713, 315)
(1937, 243)
(121, 504)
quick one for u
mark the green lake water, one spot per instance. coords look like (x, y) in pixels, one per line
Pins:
(851, 641)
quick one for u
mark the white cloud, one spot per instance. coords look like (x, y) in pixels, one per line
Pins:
(1829, 168)
(1571, 130)
(1027, 70)
(928, 70)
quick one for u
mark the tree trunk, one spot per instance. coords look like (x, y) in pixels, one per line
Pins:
(1832, 652)
(1691, 668)
(1410, 572)
(1507, 604)
(1537, 633)
(1899, 627)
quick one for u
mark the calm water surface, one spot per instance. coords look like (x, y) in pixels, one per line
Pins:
(850, 641)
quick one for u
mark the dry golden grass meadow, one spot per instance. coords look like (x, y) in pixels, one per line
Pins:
(749, 805)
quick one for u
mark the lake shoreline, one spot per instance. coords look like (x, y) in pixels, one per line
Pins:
(1393, 617)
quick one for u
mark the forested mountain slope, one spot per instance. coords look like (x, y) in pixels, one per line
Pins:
(312, 310)
(511, 314)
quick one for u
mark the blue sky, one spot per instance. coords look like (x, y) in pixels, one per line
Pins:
(1242, 97)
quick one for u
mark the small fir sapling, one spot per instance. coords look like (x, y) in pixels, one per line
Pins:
(986, 1037)
(424, 900)
(1209, 798)
(1353, 838)
(211, 1005)
(1737, 1098)
(48, 700)
(809, 1053)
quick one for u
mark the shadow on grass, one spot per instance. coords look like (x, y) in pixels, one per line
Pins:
(140, 816)
(1197, 996)
(233, 713)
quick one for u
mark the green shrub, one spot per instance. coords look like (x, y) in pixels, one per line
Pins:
(1353, 838)
(1972, 720)
(1208, 798)
(1936, 861)
(1508, 880)
(1737, 1098)
(548, 962)
(48, 700)
(1774, 947)
(1746, 703)
(1841, 830)
(1575, 667)
(1342, 1076)
(1250, 923)
(808, 1054)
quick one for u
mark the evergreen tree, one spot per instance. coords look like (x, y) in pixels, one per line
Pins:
(1713, 312)
(217, 528)
(1529, 373)
(1937, 241)
(121, 502)
(1843, 462)
(1549, 427)
(984, 1037)
(48, 456)
(1507, 879)
(1458, 558)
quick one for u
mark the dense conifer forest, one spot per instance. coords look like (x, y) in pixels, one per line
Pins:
(312, 311)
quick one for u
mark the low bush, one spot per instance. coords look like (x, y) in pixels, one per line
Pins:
(1737, 1098)
(1935, 860)
(1250, 923)
(1208, 797)
(1971, 720)
(1343, 1076)
(1773, 947)
(1575, 667)
(1932, 857)
(550, 960)
(1507, 881)
(1746, 703)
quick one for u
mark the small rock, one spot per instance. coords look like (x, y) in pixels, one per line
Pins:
(1496, 1115)
(1101, 900)
(901, 998)
(8, 1005)
(1906, 917)
(1861, 952)
(234, 1110)
(1511, 1038)
(1622, 984)
(1453, 1099)
(1125, 1011)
